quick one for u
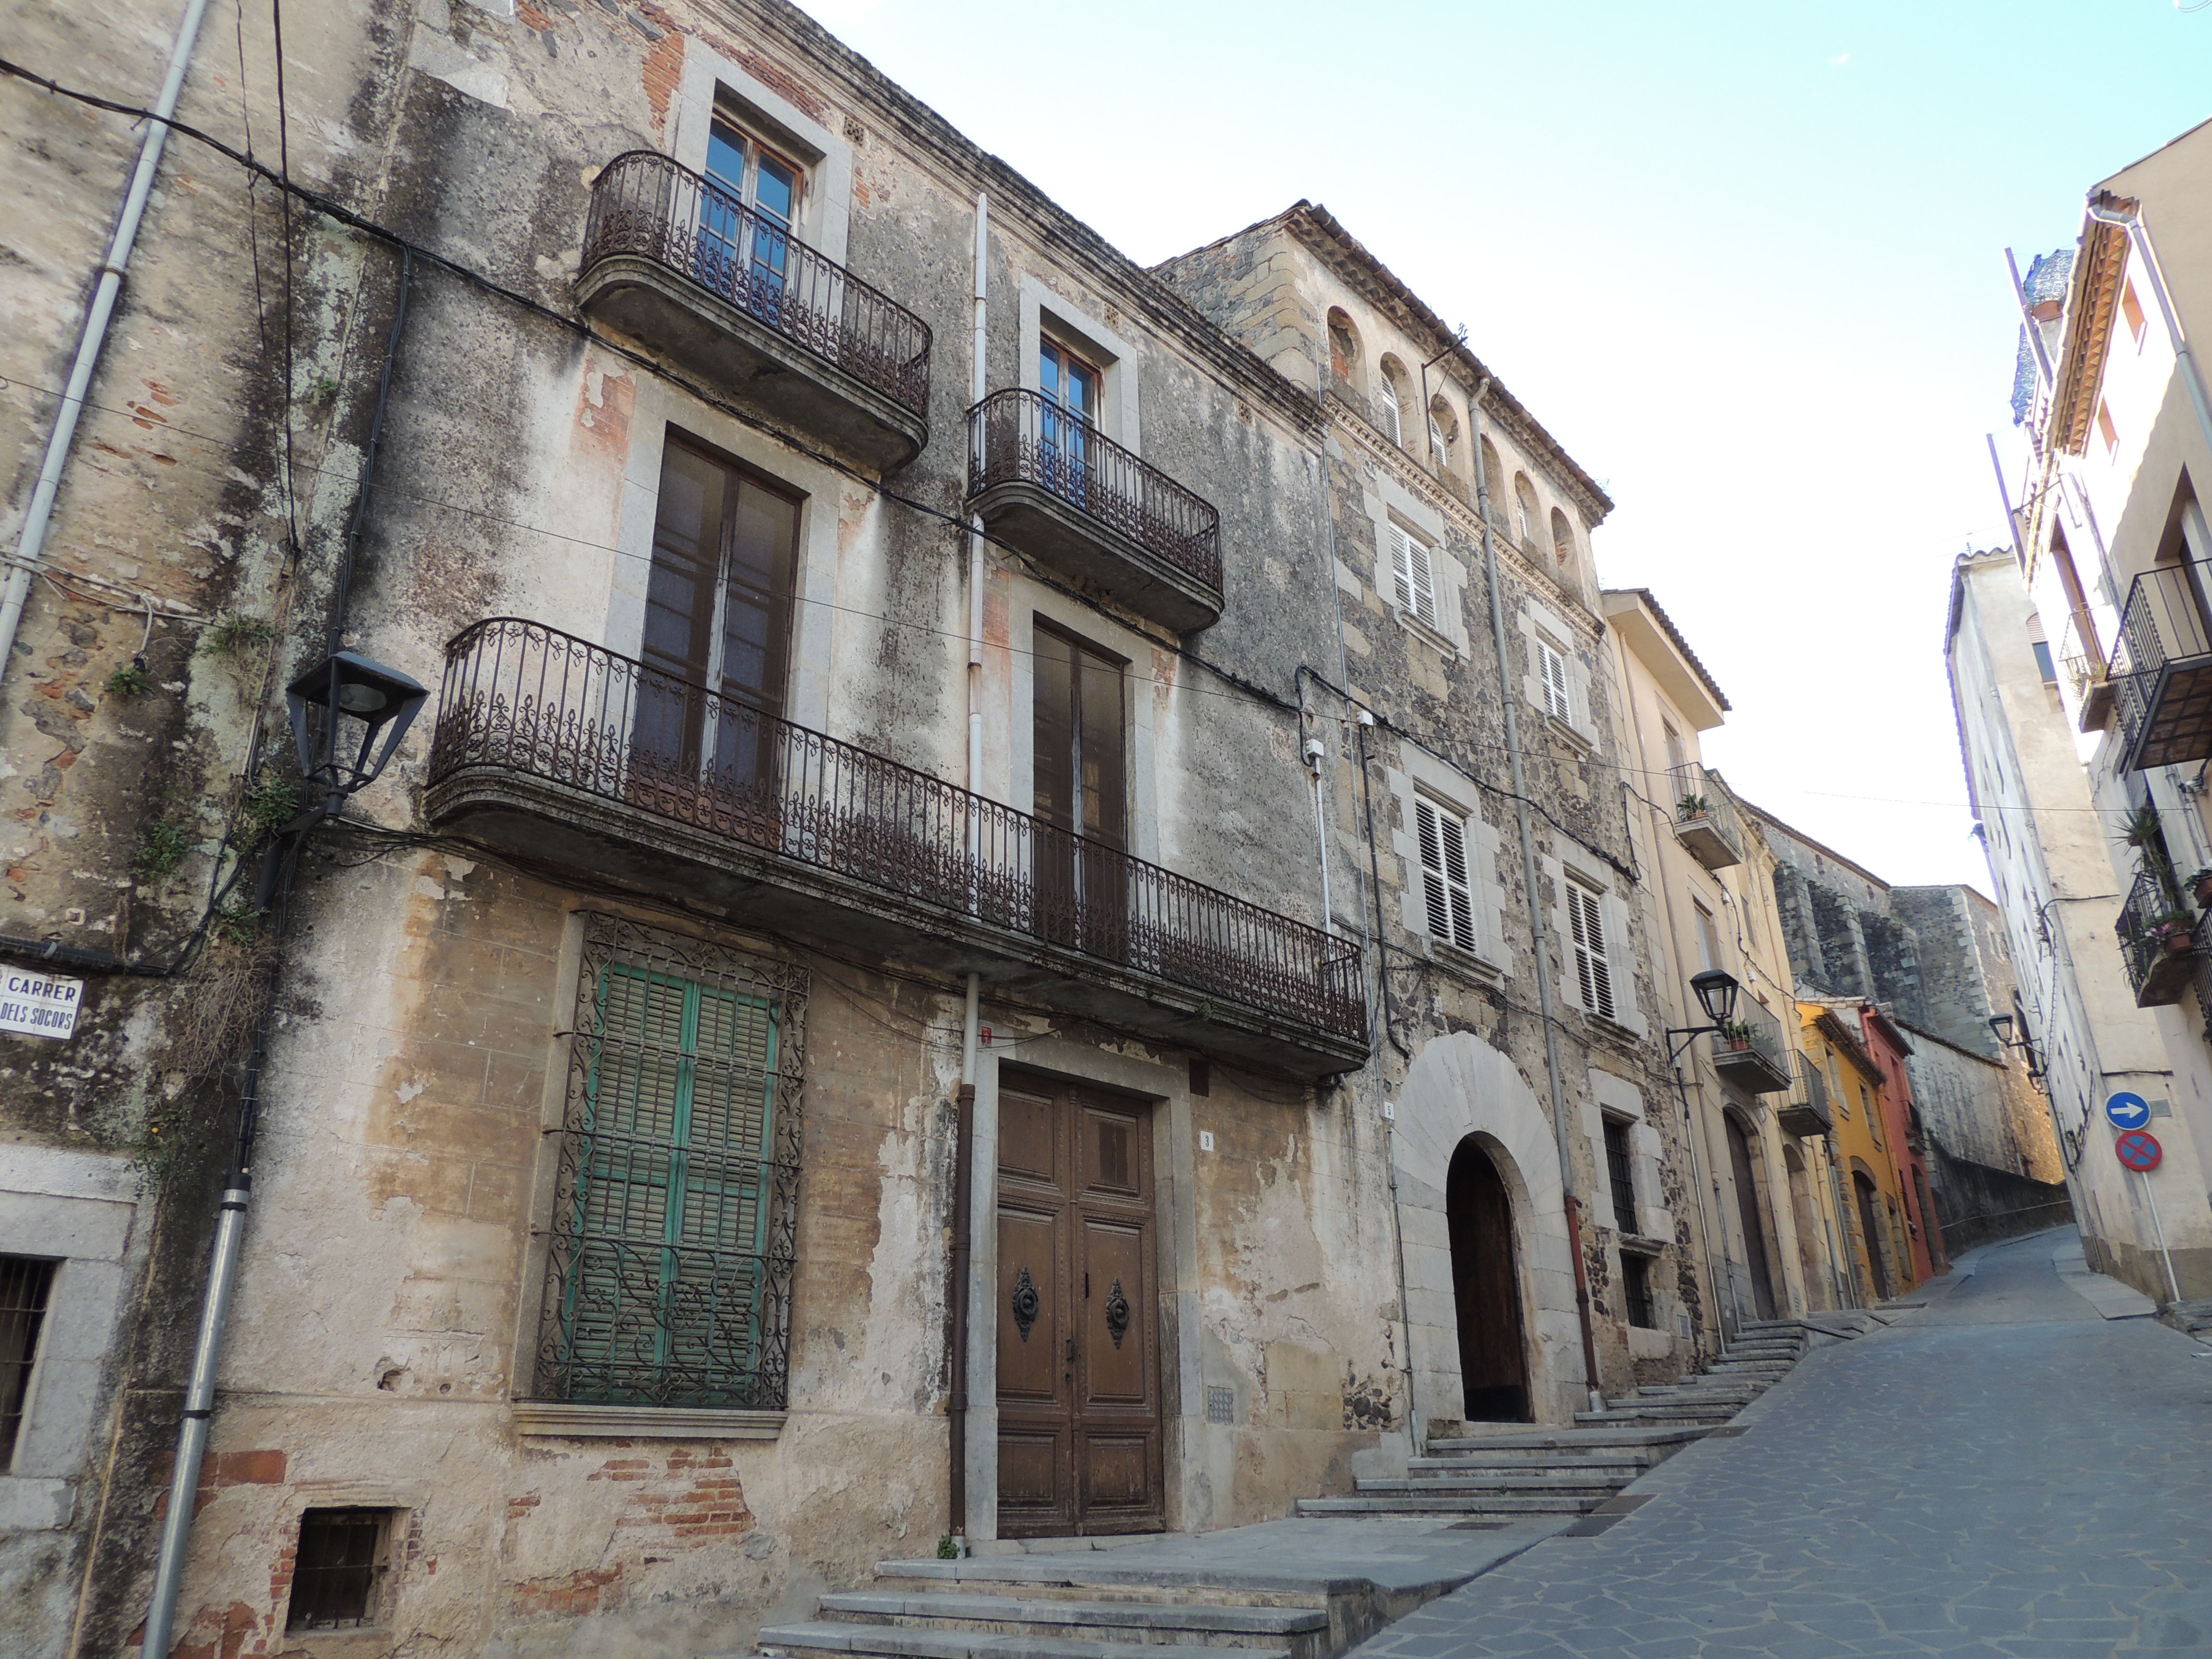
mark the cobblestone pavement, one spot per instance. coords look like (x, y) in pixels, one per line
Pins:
(2004, 1471)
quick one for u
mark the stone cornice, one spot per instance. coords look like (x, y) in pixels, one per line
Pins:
(2089, 309)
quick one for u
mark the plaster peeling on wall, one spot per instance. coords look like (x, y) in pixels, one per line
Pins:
(903, 1352)
(441, 60)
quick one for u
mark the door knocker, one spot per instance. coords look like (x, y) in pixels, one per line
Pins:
(1117, 1314)
(1025, 1304)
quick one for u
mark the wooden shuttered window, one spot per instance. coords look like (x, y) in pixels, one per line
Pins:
(1552, 666)
(1446, 898)
(1412, 574)
(670, 1271)
(1586, 927)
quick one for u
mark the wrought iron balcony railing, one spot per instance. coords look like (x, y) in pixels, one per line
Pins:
(1705, 819)
(2161, 667)
(2158, 940)
(1807, 1112)
(1020, 436)
(1753, 1056)
(523, 698)
(646, 204)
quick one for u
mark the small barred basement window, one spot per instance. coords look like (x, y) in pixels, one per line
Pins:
(26, 1282)
(337, 1572)
(676, 1214)
(1635, 1291)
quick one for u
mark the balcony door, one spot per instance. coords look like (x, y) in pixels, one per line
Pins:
(1081, 864)
(1071, 409)
(715, 655)
(745, 221)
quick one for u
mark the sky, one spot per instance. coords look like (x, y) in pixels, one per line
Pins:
(1745, 262)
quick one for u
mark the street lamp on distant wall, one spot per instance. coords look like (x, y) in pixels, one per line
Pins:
(2001, 1025)
(1716, 991)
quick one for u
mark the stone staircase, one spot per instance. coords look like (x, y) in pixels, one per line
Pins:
(1107, 1604)
(1517, 1474)
(1082, 1604)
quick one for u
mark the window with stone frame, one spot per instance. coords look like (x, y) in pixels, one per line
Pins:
(1551, 671)
(673, 1234)
(26, 1284)
(1447, 896)
(1620, 1174)
(1412, 574)
(1593, 972)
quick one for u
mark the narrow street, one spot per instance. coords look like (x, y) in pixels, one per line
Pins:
(2004, 1471)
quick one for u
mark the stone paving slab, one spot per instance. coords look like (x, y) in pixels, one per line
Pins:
(2002, 1472)
(2109, 1297)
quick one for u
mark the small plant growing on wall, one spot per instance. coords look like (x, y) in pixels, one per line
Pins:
(164, 848)
(269, 805)
(236, 639)
(132, 681)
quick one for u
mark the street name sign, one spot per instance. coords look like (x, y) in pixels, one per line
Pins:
(38, 1005)
(2127, 1111)
(2139, 1150)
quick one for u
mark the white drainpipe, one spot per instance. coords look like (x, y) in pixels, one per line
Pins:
(23, 564)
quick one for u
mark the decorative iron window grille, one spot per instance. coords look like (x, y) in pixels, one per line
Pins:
(1622, 1173)
(26, 1282)
(337, 1571)
(675, 1211)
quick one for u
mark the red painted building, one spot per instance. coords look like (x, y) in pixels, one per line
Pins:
(1907, 1144)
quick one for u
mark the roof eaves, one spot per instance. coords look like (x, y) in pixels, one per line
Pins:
(1674, 638)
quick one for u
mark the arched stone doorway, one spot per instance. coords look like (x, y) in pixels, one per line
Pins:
(1493, 1354)
(1871, 1228)
(1756, 1262)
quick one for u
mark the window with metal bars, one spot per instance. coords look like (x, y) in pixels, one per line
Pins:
(1635, 1291)
(668, 1281)
(1620, 1170)
(1586, 928)
(337, 1571)
(25, 1283)
(1412, 575)
(1446, 898)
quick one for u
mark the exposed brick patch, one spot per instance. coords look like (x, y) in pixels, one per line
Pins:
(238, 1468)
(686, 1497)
(664, 73)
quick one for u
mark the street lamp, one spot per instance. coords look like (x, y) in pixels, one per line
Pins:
(2001, 1025)
(348, 689)
(1715, 994)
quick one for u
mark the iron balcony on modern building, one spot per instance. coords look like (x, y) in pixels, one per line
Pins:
(2158, 940)
(1752, 1055)
(1050, 483)
(1704, 817)
(1807, 1112)
(675, 261)
(573, 757)
(2081, 660)
(2161, 669)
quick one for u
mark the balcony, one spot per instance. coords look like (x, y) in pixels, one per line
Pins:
(2157, 941)
(675, 261)
(2081, 660)
(569, 755)
(1749, 1054)
(1807, 1112)
(1052, 486)
(2161, 669)
(1704, 816)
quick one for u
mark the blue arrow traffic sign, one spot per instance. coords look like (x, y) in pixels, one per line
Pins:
(2127, 1111)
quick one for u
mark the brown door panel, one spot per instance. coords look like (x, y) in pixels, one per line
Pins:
(1117, 1324)
(1121, 1479)
(1027, 1138)
(1032, 1361)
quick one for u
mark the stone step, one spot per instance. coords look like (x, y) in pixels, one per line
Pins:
(1764, 1350)
(1663, 1438)
(1748, 1367)
(1630, 1414)
(1300, 1630)
(1099, 1575)
(1627, 1463)
(895, 1642)
(1447, 1502)
(1536, 1480)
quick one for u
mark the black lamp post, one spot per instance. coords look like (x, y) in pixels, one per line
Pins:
(347, 689)
(2001, 1025)
(1716, 991)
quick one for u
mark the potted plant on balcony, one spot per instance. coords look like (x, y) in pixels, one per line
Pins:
(2200, 887)
(2175, 933)
(1691, 807)
(1736, 1034)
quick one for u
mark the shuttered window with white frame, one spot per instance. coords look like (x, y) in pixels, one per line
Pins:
(1448, 899)
(1386, 409)
(1413, 572)
(1586, 925)
(1551, 669)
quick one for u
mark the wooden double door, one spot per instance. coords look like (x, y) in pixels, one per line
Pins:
(1079, 1363)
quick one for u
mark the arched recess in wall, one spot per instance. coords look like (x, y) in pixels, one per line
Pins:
(1390, 401)
(1443, 434)
(1528, 515)
(1343, 346)
(1493, 480)
(1563, 552)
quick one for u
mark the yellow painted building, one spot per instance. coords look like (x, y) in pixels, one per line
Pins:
(1869, 1196)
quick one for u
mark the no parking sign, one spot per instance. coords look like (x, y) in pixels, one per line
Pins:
(2139, 1150)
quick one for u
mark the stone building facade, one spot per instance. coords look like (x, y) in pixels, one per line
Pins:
(1934, 965)
(941, 745)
